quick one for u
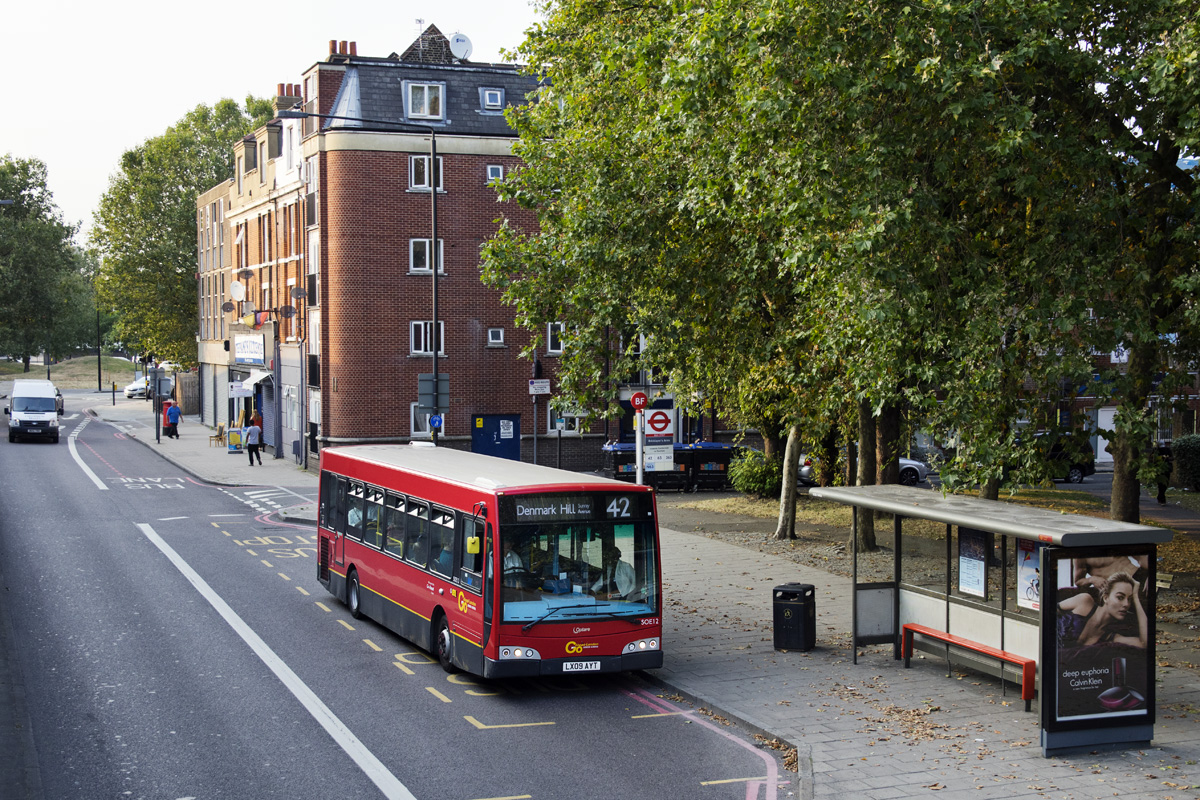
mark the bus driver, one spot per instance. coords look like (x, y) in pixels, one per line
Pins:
(618, 578)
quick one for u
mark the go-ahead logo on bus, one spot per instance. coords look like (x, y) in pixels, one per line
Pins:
(464, 601)
(575, 648)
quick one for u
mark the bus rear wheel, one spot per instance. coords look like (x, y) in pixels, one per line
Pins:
(441, 643)
(353, 595)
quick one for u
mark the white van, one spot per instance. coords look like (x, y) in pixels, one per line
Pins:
(33, 409)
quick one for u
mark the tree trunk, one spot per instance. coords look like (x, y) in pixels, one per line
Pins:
(786, 528)
(827, 465)
(866, 474)
(771, 443)
(887, 445)
(990, 489)
(1131, 437)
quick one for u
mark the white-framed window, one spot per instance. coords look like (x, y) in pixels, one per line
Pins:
(418, 173)
(418, 256)
(418, 422)
(495, 172)
(241, 168)
(570, 424)
(291, 408)
(554, 338)
(1119, 356)
(262, 162)
(492, 99)
(420, 338)
(425, 100)
(495, 337)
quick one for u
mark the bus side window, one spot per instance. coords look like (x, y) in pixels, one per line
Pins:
(441, 528)
(354, 513)
(328, 492)
(373, 529)
(472, 563)
(394, 531)
(416, 532)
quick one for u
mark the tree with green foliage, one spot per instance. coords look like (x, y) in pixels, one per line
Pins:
(942, 209)
(40, 284)
(145, 227)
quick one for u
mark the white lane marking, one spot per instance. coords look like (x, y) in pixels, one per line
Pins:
(169, 519)
(374, 769)
(75, 455)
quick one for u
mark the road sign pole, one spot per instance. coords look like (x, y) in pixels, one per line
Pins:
(641, 445)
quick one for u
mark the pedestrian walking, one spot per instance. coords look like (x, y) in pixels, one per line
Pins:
(252, 437)
(173, 417)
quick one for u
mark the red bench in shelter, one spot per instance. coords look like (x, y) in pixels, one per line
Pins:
(1028, 665)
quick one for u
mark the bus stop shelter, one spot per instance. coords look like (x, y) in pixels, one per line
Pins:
(1006, 583)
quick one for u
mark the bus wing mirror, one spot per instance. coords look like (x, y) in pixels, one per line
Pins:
(473, 545)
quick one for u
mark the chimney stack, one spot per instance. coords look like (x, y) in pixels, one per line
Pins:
(286, 96)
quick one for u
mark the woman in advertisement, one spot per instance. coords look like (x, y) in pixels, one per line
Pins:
(1088, 622)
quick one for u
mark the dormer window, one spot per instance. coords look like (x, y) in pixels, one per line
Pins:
(493, 99)
(425, 100)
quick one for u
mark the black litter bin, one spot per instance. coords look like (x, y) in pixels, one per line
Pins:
(795, 617)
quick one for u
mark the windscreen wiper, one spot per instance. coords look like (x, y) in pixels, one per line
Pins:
(552, 611)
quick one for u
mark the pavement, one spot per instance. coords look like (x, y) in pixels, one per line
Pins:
(872, 730)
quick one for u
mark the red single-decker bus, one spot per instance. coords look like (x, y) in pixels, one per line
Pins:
(498, 567)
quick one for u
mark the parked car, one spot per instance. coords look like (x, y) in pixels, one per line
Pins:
(912, 471)
(1072, 456)
(137, 388)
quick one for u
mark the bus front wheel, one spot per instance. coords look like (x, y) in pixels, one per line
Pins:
(353, 599)
(441, 643)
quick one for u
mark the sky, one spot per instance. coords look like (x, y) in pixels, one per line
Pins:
(89, 80)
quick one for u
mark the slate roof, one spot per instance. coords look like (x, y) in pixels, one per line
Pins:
(374, 89)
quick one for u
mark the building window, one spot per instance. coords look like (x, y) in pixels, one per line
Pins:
(262, 162)
(568, 424)
(492, 99)
(495, 172)
(495, 337)
(419, 421)
(241, 168)
(418, 256)
(418, 173)
(425, 100)
(421, 338)
(554, 338)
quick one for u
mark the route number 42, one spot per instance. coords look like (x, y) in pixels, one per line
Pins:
(619, 507)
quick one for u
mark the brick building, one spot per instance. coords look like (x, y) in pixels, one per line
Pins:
(315, 264)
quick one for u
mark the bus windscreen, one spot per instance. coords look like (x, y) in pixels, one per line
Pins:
(583, 556)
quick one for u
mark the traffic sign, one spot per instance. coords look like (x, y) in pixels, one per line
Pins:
(435, 421)
(539, 386)
(659, 423)
(638, 400)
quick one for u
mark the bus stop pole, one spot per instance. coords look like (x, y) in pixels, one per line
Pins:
(640, 438)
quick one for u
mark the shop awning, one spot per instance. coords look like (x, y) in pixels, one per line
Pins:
(255, 378)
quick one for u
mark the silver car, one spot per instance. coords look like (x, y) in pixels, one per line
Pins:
(912, 471)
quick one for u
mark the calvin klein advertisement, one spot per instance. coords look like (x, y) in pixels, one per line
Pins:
(1102, 626)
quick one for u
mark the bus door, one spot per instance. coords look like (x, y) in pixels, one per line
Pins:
(340, 502)
(470, 576)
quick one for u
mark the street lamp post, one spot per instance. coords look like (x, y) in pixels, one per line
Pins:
(434, 175)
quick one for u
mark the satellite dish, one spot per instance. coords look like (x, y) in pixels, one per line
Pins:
(245, 274)
(287, 312)
(298, 293)
(237, 291)
(460, 46)
(227, 306)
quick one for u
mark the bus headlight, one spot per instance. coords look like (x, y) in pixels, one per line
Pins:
(641, 645)
(522, 653)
